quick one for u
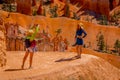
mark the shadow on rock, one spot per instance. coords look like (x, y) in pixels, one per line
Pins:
(14, 69)
(67, 59)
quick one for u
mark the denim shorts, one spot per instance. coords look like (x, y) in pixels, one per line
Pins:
(31, 49)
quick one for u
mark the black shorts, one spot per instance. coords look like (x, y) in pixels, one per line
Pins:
(27, 43)
(79, 41)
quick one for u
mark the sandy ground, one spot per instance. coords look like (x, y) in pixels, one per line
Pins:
(58, 66)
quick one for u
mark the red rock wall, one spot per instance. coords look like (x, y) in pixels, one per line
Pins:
(2, 45)
(15, 44)
(39, 11)
(2, 49)
(24, 7)
(33, 2)
(52, 1)
(98, 6)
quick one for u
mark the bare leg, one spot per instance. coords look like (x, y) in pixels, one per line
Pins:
(31, 58)
(80, 50)
(54, 47)
(119, 51)
(77, 48)
(24, 59)
(57, 47)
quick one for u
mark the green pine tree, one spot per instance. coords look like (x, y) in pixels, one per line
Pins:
(58, 31)
(117, 45)
(101, 43)
(53, 11)
(34, 12)
(75, 16)
(8, 6)
(8, 1)
(103, 20)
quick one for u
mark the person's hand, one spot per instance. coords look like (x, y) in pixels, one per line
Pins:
(80, 37)
(75, 39)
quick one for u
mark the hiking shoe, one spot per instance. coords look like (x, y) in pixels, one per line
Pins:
(22, 67)
(74, 45)
(78, 56)
(30, 67)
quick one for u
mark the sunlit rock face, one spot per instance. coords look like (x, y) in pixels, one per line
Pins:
(113, 4)
(2, 45)
(24, 6)
(13, 37)
(98, 6)
(2, 49)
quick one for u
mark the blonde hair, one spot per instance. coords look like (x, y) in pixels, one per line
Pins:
(81, 25)
(29, 32)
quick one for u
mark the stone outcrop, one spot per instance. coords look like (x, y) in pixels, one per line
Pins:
(2, 50)
(62, 66)
(15, 44)
(39, 11)
(98, 6)
(14, 37)
(69, 25)
(2, 45)
(24, 6)
(33, 2)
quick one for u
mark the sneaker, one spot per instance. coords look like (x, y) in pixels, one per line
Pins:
(30, 67)
(78, 56)
(74, 45)
(22, 67)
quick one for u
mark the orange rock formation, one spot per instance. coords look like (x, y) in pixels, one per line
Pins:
(24, 7)
(68, 26)
(2, 44)
(98, 6)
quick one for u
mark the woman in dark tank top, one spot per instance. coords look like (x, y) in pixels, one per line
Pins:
(79, 39)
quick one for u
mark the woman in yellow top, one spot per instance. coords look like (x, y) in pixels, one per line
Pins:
(30, 45)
